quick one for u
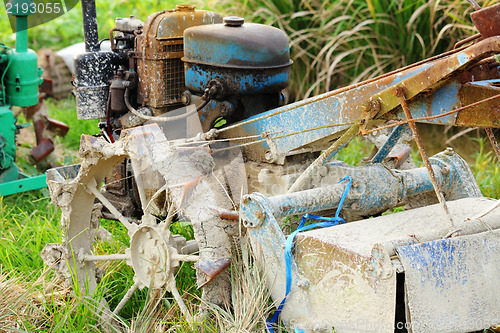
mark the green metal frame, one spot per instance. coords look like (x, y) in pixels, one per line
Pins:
(20, 80)
(23, 185)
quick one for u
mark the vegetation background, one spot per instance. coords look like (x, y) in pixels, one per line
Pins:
(333, 43)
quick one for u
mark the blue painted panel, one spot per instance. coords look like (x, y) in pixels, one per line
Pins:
(302, 118)
(443, 100)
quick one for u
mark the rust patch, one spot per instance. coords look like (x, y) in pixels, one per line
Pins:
(485, 114)
(486, 21)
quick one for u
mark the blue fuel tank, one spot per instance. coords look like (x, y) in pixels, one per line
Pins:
(246, 58)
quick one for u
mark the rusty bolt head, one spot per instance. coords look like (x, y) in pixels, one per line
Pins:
(449, 150)
(259, 214)
(355, 184)
(355, 206)
(366, 107)
(376, 105)
(398, 92)
(445, 170)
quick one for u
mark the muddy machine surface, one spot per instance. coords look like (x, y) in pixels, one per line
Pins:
(196, 127)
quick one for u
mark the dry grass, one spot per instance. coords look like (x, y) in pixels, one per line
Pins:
(23, 302)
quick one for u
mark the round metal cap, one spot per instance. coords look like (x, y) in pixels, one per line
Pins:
(233, 21)
(186, 8)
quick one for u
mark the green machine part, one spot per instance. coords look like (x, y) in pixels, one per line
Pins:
(20, 78)
(8, 170)
(23, 75)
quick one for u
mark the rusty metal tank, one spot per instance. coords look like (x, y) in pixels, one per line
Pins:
(159, 51)
(247, 58)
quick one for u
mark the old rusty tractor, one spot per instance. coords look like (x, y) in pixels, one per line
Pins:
(195, 127)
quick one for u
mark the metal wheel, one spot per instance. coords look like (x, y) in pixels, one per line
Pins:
(154, 253)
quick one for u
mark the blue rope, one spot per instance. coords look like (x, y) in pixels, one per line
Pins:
(289, 246)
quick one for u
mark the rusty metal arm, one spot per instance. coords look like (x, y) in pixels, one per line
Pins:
(432, 88)
(432, 77)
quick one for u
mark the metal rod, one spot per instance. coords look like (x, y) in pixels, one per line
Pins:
(474, 4)
(389, 144)
(325, 157)
(398, 92)
(126, 297)
(178, 298)
(279, 136)
(105, 257)
(21, 34)
(186, 257)
(466, 40)
(493, 141)
(90, 34)
(92, 187)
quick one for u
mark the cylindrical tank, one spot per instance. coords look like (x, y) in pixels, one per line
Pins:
(23, 74)
(159, 52)
(23, 78)
(93, 71)
(246, 58)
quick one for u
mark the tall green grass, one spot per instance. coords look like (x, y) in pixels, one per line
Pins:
(335, 43)
(67, 29)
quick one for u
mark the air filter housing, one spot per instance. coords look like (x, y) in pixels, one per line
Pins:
(159, 53)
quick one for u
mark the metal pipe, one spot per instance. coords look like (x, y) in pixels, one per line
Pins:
(21, 34)
(307, 201)
(90, 32)
(474, 4)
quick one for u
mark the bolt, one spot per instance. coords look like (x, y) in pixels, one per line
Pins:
(154, 256)
(148, 235)
(445, 170)
(259, 214)
(226, 108)
(323, 171)
(186, 100)
(355, 184)
(303, 284)
(355, 206)
(366, 107)
(449, 150)
(269, 156)
(398, 92)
